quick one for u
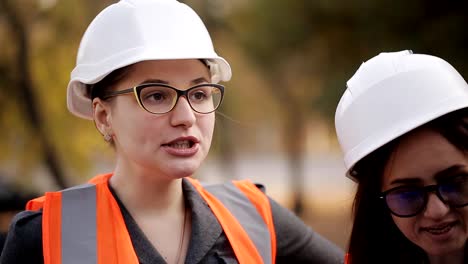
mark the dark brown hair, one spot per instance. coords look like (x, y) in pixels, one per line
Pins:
(99, 89)
(106, 84)
(374, 237)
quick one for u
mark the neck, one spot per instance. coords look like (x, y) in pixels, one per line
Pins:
(453, 258)
(144, 191)
(156, 203)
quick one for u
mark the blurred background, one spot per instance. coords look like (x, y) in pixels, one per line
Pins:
(290, 61)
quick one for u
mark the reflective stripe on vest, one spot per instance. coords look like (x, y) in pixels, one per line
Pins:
(79, 228)
(247, 215)
(84, 224)
(107, 238)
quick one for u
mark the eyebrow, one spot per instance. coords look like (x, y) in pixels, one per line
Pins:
(449, 171)
(406, 181)
(193, 82)
(200, 80)
(438, 176)
(154, 81)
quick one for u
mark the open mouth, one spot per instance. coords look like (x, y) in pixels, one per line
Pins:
(439, 230)
(181, 144)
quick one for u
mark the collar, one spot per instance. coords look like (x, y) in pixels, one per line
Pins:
(205, 229)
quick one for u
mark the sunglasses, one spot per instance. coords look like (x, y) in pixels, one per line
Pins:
(408, 201)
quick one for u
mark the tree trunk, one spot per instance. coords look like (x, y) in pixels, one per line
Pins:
(293, 139)
(25, 92)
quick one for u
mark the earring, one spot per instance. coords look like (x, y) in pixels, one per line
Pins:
(107, 137)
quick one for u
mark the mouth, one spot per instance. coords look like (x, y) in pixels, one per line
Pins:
(439, 229)
(182, 147)
(180, 144)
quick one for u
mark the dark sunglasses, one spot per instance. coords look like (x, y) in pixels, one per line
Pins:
(407, 201)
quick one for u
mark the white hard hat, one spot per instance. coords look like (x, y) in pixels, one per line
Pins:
(131, 31)
(392, 94)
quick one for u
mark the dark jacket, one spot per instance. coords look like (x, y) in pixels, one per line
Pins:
(296, 242)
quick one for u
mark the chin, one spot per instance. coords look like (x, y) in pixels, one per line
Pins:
(183, 171)
(443, 250)
(182, 174)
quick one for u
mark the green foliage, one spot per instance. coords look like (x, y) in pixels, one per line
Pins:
(290, 59)
(52, 36)
(333, 37)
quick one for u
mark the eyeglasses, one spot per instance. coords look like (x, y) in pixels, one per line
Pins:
(407, 201)
(158, 98)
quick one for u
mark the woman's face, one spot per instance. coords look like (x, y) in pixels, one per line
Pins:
(424, 157)
(172, 145)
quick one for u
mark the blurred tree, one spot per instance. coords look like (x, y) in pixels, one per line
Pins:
(24, 88)
(275, 36)
(306, 50)
(358, 30)
(39, 40)
(303, 51)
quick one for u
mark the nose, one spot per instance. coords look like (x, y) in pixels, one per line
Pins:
(435, 208)
(182, 114)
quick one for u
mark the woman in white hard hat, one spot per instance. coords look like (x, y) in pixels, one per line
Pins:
(403, 126)
(147, 75)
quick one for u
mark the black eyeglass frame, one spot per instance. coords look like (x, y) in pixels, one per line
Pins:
(435, 188)
(136, 90)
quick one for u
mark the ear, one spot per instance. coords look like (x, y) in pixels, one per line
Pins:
(102, 116)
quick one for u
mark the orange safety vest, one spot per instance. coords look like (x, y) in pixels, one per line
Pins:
(84, 224)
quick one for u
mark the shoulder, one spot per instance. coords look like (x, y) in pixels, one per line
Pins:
(24, 235)
(27, 221)
(297, 242)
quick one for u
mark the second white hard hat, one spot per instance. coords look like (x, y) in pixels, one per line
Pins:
(131, 31)
(392, 94)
